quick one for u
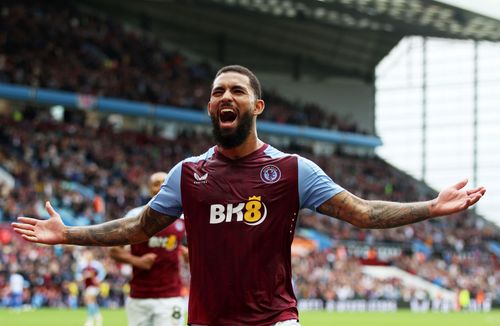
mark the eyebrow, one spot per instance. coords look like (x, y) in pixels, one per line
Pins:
(238, 87)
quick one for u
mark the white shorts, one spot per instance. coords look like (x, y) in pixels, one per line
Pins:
(92, 291)
(155, 312)
(291, 322)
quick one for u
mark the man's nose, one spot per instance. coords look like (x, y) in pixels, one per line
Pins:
(227, 95)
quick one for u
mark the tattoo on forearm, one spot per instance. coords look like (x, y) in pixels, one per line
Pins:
(121, 231)
(386, 214)
(112, 233)
(374, 214)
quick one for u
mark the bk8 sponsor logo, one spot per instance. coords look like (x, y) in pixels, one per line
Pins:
(169, 242)
(252, 212)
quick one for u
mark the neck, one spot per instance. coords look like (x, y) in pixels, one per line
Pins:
(251, 144)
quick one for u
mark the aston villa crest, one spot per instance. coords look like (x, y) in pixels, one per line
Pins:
(270, 174)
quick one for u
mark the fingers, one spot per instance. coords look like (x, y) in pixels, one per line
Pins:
(26, 232)
(50, 209)
(27, 220)
(480, 190)
(30, 238)
(460, 184)
(474, 198)
(23, 226)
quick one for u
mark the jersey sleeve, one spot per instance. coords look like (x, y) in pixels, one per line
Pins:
(134, 212)
(101, 272)
(168, 200)
(315, 187)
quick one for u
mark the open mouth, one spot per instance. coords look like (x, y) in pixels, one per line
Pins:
(227, 115)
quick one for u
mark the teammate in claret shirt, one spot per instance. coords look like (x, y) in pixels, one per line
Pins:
(156, 285)
(240, 201)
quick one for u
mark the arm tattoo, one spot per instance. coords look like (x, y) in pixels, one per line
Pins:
(121, 231)
(374, 214)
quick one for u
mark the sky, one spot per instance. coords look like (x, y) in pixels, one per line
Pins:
(450, 110)
(489, 8)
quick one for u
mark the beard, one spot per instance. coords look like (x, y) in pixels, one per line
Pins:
(232, 139)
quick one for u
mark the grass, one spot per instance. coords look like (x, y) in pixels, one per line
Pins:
(399, 318)
(65, 317)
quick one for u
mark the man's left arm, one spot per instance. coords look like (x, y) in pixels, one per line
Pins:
(383, 214)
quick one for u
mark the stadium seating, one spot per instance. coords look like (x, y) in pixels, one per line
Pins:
(99, 59)
(92, 174)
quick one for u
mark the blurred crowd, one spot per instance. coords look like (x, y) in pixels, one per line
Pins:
(58, 46)
(48, 275)
(334, 274)
(92, 174)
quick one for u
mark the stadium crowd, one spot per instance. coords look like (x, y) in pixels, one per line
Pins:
(99, 60)
(93, 174)
(49, 275)
(336, 274)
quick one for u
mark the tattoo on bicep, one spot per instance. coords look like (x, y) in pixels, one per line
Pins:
(344, 207)
(152, 222)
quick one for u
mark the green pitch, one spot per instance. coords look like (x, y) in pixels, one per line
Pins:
(65, 317)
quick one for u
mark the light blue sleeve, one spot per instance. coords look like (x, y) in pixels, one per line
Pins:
(101, 272)
(134, 211)
(315, 187)
(78, 273)
(168, 200)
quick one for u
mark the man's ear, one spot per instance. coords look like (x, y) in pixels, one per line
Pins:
(259, 107)
(208, 108)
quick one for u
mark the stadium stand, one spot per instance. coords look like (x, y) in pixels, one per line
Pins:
(94, 173)
(99, 60)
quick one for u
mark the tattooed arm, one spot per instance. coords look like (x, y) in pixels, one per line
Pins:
(382, 214)
(113, 233)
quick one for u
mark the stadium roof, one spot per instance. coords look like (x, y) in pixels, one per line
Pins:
(316, 37)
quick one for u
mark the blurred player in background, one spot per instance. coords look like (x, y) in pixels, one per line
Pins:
(16, 284)
(240, 202)
(91, 273)
(155, 289)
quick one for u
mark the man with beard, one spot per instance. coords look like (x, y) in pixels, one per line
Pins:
(240, 201)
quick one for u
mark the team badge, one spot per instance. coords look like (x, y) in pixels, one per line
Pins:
(179, 226)
(270, 174)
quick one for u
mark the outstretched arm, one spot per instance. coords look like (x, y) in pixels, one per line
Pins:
(382, 214)
(113, 233)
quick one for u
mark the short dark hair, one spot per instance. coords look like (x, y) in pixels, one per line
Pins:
(254, 82)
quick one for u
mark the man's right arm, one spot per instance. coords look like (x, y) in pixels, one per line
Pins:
(121, 231)
(113, 233)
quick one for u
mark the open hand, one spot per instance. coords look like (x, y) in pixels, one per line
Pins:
(50, 231)
(455, 199)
